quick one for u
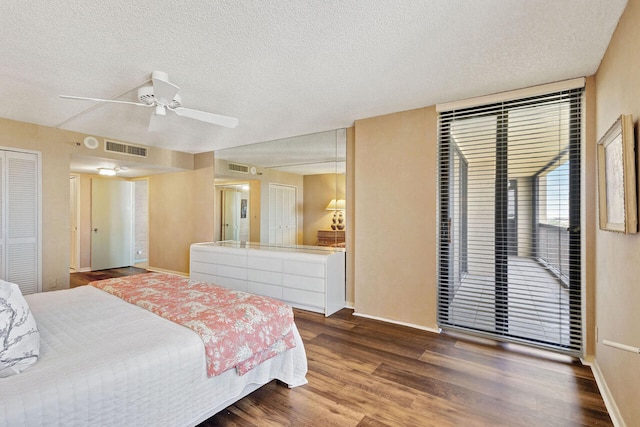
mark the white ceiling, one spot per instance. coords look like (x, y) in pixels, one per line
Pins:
(283, 68)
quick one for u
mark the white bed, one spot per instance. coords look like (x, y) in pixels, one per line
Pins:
(106, 362)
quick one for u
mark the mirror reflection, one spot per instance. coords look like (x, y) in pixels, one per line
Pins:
(284, 192)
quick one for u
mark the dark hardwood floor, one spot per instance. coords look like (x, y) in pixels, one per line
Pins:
(364, 372)
(79, 279)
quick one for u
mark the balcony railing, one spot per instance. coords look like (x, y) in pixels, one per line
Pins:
(553, 250)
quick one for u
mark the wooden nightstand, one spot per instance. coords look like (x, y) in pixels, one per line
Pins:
(331, 238)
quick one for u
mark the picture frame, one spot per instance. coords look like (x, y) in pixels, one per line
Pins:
(243, 208)
(617, 192)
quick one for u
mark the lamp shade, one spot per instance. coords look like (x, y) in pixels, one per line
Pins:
(336, 205)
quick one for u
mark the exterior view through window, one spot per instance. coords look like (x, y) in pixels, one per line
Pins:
(509, 221)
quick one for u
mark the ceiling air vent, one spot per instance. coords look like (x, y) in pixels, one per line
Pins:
(234, 167)
(119, 147)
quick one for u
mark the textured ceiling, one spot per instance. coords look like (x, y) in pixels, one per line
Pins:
(283, 68)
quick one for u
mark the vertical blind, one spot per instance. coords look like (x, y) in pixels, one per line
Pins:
(509, 220)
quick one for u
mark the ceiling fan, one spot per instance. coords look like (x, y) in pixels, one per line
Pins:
(163, 96)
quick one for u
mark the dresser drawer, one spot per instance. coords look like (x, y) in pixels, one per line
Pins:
(303, 268)
(202, 277)
(264, 263)
(231, 272)
(271, 291)
(314, 284)
(306, 298)
(330, 237)
(203, 267)
(235, 284)
(269, 277)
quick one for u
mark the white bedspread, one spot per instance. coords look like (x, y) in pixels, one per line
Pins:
(107, 362)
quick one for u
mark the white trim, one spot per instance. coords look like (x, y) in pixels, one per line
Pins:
(620, 346)
(397, 322)
(77, 177)
(38, 155)
(162, 270)
(609, 401)
(511, 95)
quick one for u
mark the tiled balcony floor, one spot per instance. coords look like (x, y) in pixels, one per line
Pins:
(538, 305)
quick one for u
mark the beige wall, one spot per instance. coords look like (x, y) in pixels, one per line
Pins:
(395, 213)
(181, 212)
(617, 255)
(56, 146)
(318, 192)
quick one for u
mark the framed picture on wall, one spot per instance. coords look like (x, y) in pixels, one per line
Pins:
(243, 208)
(617, 178)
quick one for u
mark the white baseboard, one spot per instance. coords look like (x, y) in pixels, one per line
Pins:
(83, 270)
(609, 402)
(396, 322)
(162, 270)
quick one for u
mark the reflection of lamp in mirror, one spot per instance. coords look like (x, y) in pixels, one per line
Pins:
(337, 206)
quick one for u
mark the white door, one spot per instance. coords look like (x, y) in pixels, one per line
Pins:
(20, 221)
(235, 213)
(73, 222)
(230, 214)
(111, 223)
(283, 224)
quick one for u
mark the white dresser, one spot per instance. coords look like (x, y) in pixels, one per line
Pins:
(306, 277)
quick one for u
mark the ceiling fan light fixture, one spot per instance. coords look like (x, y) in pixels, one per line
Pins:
(145, 95)
(177, 102)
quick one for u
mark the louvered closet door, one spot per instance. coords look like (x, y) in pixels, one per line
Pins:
(282, 215)
(20, 220)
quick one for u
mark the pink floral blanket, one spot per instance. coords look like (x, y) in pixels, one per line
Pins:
(238, 329)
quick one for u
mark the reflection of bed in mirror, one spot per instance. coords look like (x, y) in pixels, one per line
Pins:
(282, 186)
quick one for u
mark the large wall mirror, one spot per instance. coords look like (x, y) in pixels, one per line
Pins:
(284, 192)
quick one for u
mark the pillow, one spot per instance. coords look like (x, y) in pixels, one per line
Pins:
(19, 336)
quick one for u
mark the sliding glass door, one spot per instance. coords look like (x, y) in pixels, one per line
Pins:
(509, 215)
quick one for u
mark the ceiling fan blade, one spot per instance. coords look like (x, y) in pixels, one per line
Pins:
(113, 101)
(215, 119)
(163, 90)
